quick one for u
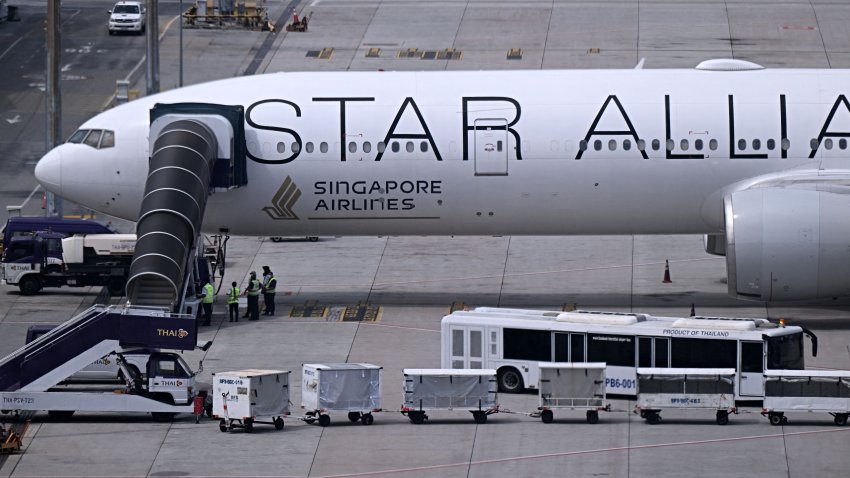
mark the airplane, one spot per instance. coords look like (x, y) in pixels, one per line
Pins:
(753, 158)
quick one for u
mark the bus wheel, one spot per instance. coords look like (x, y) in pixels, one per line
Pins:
(775, 419)
(510, 380)
(841, 419)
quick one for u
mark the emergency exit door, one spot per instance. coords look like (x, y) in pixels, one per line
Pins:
(491, 147)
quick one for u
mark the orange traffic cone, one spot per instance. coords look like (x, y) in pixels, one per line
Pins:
(666, 272)
(693, 311)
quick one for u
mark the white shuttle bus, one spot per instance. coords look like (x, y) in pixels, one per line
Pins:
(515, 341)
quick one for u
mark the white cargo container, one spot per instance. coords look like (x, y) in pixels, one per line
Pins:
(687, 388)
(449, 389)
(241, 396)
(345, 387)
(806, 391)
(576, 386)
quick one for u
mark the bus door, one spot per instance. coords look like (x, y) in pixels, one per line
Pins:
(467, 349)
(751, 369)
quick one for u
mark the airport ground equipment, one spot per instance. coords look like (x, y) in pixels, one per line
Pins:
(449, 389)
(26, 225)
(239, 397)
(812, 391)
(30, 377)
(11, 439)
(573, 386)
(50, 259)
(685, 388)
(340, 387)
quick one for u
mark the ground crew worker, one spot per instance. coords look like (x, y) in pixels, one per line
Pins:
(207, 302)
(267, 274)
(268, 293)
(233, 302)
(253, 293)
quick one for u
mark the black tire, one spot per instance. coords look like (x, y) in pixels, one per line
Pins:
(115, 286)
(313, 238)
(324, 420)
(592, 417)
(30, 285)
(775, 419)
(547, 416)
(278, 423)
(60, 415)
(276, 239)
(248, 424)
(367, 419)
(840, 419)
(417, 418)
(722, 417)
(653, 418)
(353, 416)
(222, 426)
(479, 417)
(162, 417)
(510, 380)
(111, 32)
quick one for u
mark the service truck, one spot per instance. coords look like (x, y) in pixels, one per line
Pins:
(51, 259)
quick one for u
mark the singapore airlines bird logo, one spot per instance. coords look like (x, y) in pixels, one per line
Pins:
(283, 201)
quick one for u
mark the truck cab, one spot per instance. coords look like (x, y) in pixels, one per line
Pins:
(170, 379)
(25, 258)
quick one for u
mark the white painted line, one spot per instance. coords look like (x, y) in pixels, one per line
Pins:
(316, 2)
(10, 47)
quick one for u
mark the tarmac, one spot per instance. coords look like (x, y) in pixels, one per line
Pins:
(415, 280)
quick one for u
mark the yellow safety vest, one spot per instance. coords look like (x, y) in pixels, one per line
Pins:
(209, 294)
(271, 285)
(254, 288)
(233, 298)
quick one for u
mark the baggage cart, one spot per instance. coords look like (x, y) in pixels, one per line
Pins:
(342, 387)
(574, 386)
(449, 389)
(685, 388)
(825, 391)
(241, 396)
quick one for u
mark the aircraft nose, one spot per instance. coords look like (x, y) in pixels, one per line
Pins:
(48, 171)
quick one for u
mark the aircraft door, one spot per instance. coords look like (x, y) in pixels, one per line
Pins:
(491, 147)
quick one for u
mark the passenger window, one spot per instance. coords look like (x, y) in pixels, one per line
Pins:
(827, 143)
(576, 347)
(296, 147)
(597, 145)
(78, 136)
(702, 353)
(582, 145)
(645, 352)
(627, 145)
(814, 143)
(612, 349)
(281, 147)
(786, 144)
(367, 147)
(309, 146)
(352, 147)
(381, 147)
(423, 146)
(756, 144)
(521, 344)
(641, 145)
(742, 144)
(842, 143)
(670, 145)
(323, 147)
(683, 144)
(108, 139)
(395, 147)
(712, 144)
(698, 144)
(612, 144)
(409, 146)
(771, 144)
(93, 139)
(656, 145)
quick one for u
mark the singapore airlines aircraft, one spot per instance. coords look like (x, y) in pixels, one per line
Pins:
(756, 157)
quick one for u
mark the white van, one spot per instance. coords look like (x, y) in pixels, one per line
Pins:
(127, 16)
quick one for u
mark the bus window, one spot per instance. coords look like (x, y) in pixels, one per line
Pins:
(562, 347)
(612, 349)
(645, 352)
(752, 357)
(576, 347)
(457, 348)
(785, 352)
(662, 352)
(519, 344)
(476, 352)
(703, 353)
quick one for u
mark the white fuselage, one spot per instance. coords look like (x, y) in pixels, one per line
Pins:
(464, 174)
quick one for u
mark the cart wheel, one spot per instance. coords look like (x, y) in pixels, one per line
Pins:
(222, 425)
(479, 417)
(653, 418)
(353, 416)
(547, 416)
(592, 417)
(722, 417)
(278, 423)
(417, 418)
(367, 419)
(249, 425)
(775, 418)
(841, 419)
(643, 413)
(324, 420)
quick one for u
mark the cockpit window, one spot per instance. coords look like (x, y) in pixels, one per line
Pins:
(93, 139)
(78, 136)
(96, 138)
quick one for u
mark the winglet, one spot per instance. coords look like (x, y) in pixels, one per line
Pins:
(639, 65)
